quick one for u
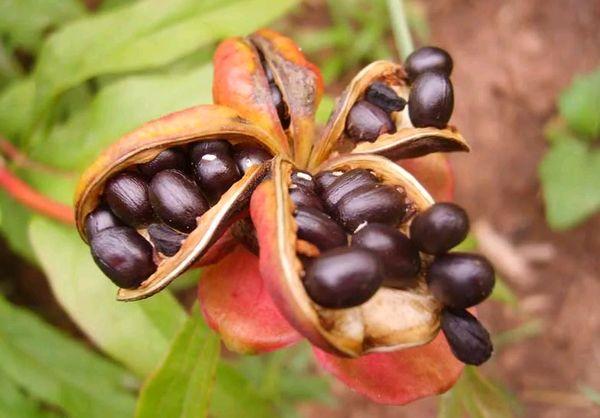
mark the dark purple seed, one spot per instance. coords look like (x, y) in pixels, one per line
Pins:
(346, 183)
(439, 228)
(268, 72)
(324, 179)
(343, 277)
(127, 195)
(371, 203)
(166, 240)
(302, 196)
(303, 178)
(319, 229)
(461, 280)
(398, 255)
(171, 158)
(428, 59)
(215, 173)
(218, 146)
(431, 101)
(100, 219)
(367, 122)
(279, 102)
(123, 255)
(177, 200)
(383, 96)
(247, 155)
(468, 339)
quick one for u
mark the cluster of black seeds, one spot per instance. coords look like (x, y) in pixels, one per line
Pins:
(354, 220)
(430, 101)
(163, 197)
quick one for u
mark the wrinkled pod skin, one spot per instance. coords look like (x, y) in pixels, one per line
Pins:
(210, 239)
(415, 313)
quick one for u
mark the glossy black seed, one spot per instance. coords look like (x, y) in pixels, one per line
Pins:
(367, 122)
(468, 339)
(383, 96)
(439, 228)
(398, 255)
(344, 184)
(127, 195)
(123, 255)
(324, 179)
(428, 59)
(177, 200)
(171, 158)
(431, 101)
(247, 155)
(215, 172)
(303, 178)
(343, 277)
(101, 218)
(282, 109)
(166, 240)
(319, 229)
(302, 196)
(371, 203)
(460, 280)
(219, 146)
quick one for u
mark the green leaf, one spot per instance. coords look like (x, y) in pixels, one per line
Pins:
(325, 109)
(14, 403)
(570, 175)
(137, 334)
(481, 398)
(450, 405)
(580, 105)
(182, 385)
(16, 231)
(591, 393)
(16, 106)
(59, 370)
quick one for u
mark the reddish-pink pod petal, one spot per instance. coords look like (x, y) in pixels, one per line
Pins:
(236, 304)
(434, 172)
(397, 377)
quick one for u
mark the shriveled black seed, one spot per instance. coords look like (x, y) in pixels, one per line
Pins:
(367, 122)
(303, 178)
(319, 229)
(460, 280)
(215, 172)
(468, 339)
(439, 228)
(171, 158)
(345, 183)
(343, 277)
(177, 200)
(166, 240)
(383, 96)
(431, 101)
(101, 218)
(371, 203)
(302, 196)
(219, 146)
(428, 59)
(127, 195)
(123, 255)
(247, 155)
(324, 179)
(398, 255)
(282, 109)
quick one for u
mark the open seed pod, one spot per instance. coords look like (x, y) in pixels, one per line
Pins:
(392, 319)
(268, 80)
(358, 126)
(182, 131)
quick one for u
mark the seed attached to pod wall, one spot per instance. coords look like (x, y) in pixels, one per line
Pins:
(324, 179)
(431, 101)
(428, 59)
(367, 122)
(100, 219)
(123, 255)
(344, 184)
(176, 200)
(127, 195)
(303, 196)
(166, 240)
(343, 277)
(171, 158)
(398, 255)
(468, 339)
(383, 96)
(247, 155)
(319, 229)
(303, 178)
(215, 172)
(439, 228)
(280, 106)
(461, 280)
(215, 146)
(371, 203)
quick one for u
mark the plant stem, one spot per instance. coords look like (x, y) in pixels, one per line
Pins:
(402, 36)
